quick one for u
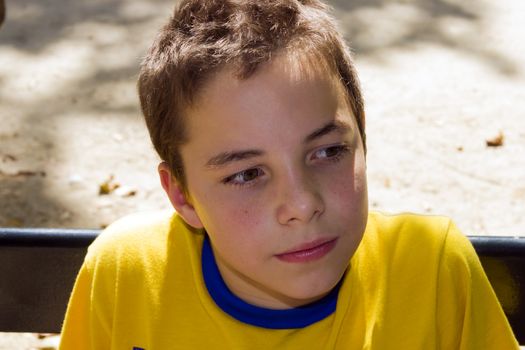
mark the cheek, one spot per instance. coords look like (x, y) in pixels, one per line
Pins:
(239, 233)
(243, 218)
(349, 190)
(235, 216)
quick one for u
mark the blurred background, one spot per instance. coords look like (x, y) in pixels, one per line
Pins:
(441, 78)
(444, 83)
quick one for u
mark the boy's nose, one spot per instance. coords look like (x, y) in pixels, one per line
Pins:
(299, 200)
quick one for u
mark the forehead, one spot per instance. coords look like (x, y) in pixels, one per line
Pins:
(281, 102)
(290, 77)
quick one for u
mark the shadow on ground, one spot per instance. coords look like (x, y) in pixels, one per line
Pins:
(101, 30)
(375, 26)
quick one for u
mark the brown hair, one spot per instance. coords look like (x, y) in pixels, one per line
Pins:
(204, 36)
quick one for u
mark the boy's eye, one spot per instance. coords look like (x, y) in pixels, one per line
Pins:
(244, 177)
(331, 153)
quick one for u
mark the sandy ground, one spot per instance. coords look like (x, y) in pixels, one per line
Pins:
(440, 79)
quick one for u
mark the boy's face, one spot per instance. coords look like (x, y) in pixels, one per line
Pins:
(275, 173)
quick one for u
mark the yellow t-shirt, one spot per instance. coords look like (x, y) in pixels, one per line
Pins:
(414, 283)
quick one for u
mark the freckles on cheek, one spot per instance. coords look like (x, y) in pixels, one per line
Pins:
(243, 217)
(347, 192)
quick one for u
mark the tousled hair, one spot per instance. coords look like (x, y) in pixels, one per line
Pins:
(205, 36)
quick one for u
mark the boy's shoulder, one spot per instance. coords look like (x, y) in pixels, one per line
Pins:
(135, 235)
(410, 222)
(413, 230)
(136, 225)
(415, 236)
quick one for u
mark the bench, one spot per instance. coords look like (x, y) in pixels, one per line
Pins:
(2, 12)
(38, 268)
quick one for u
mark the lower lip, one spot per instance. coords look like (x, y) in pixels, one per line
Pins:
(307, 255)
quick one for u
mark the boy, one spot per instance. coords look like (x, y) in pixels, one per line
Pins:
(256, 112)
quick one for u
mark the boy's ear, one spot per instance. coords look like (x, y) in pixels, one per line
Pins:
(178, 197)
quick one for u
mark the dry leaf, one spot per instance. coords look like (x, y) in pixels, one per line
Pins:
(30, 173)
(8, 157)
(496, 141)
(49, 343)
(14, 222)
(20, 173)
(108, 186)
(45, 335)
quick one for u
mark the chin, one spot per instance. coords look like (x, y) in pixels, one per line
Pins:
(303, 294)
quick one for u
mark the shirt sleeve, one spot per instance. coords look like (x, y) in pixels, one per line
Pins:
(469, 315)
(85, 327)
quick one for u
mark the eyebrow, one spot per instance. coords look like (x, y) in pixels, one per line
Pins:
(224, 158)
(333, 126)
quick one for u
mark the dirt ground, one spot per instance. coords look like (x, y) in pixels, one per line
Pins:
(441, 78)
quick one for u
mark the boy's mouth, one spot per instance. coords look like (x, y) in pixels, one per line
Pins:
(309, 251)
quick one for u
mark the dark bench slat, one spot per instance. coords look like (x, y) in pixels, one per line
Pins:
(38, 268)
(46, 237)
(496, 246)
(35, 287)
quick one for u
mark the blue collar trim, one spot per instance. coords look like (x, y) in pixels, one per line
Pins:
(299, 317)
